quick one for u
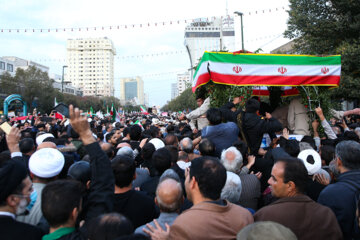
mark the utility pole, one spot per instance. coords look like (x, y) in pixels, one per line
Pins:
(242, 32)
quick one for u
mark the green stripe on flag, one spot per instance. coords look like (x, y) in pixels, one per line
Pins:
(271, 59)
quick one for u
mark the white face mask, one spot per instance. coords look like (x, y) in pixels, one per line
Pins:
(21, 209)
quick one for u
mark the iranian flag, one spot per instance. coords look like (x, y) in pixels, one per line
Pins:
(113, 113)
(143, 110)
(267, 70)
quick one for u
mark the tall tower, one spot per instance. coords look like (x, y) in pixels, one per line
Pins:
(90, 64)
(203, 35)
(132, 90)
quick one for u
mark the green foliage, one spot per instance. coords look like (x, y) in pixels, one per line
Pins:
(220, 94)
(186, 100)
(35, 86)
(329, 27)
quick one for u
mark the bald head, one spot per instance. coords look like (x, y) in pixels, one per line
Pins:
(169, 195)
(123, 144)
(46, 145)
(106, 147)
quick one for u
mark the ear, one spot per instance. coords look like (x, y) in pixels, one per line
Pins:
(134, 177)
(156, 201)
(339, 162)
(88, 184)
(193, 183)
(292, 186)
(74, 214)
(11, 201)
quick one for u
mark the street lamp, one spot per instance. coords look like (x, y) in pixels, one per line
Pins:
(242, 32)
(62, 79)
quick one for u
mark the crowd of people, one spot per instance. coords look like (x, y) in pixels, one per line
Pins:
(201, 175)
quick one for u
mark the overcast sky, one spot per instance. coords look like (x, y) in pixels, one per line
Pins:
(263, 26)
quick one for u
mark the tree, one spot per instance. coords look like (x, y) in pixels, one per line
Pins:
(36, 88)
(329, 27)
(186, 100)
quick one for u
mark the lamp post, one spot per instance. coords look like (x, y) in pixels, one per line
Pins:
(242, 32)
(62, 79)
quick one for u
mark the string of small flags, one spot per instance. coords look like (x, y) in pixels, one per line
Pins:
(159, 54)
(130, 26)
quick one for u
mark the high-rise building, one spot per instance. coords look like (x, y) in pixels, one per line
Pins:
(90, 64)
(132, 90)
(183, 82)
(174, 91)
(203, 35)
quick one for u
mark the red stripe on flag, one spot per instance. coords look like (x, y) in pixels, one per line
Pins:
(203, 78)
(275, 80)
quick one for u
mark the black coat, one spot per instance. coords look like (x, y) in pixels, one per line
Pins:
(253, 126)
(12, 230)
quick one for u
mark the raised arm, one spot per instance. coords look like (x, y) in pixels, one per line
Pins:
(100, 199)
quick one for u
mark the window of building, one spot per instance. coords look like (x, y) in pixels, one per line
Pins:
(9, 67)
(2, 65)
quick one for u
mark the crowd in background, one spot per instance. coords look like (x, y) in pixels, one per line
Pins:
(202, 175)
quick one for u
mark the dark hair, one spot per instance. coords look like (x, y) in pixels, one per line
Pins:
(59, 198)
(329, 142)
(170, 128)
(154, 131)
(80, 171)
(171, 139)
(174, 153)
(161, 160)
(109, 136)
(242, 147)
(148, 150)
(252, 105)
(349, 154)
(214, 116)
(135, 132)
(207, 147)
(126, 131)
(327, 153)
(124, 170)
(310, 140)
(295, 171)
(210, 175)
(350, 135)
(26, 145)
(292, 147)
(109, 226)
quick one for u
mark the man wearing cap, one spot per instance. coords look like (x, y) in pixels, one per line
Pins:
(306, 218)
(15, 191)
(312, 162)
(44, 165)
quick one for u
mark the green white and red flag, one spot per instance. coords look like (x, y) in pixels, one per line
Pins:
(143, 110)
(267, 70)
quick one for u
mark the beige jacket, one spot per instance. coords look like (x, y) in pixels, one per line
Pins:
(298, 120)
(208, 220)
(199, 116)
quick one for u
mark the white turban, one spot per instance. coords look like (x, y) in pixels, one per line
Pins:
(46, 163)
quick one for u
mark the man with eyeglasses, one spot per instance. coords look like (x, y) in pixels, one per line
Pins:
(15, 190)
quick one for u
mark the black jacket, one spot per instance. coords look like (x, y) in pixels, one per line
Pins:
(101, 196)
(253, 126)
(14, 230)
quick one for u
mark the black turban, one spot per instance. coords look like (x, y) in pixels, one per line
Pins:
(12, 173)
